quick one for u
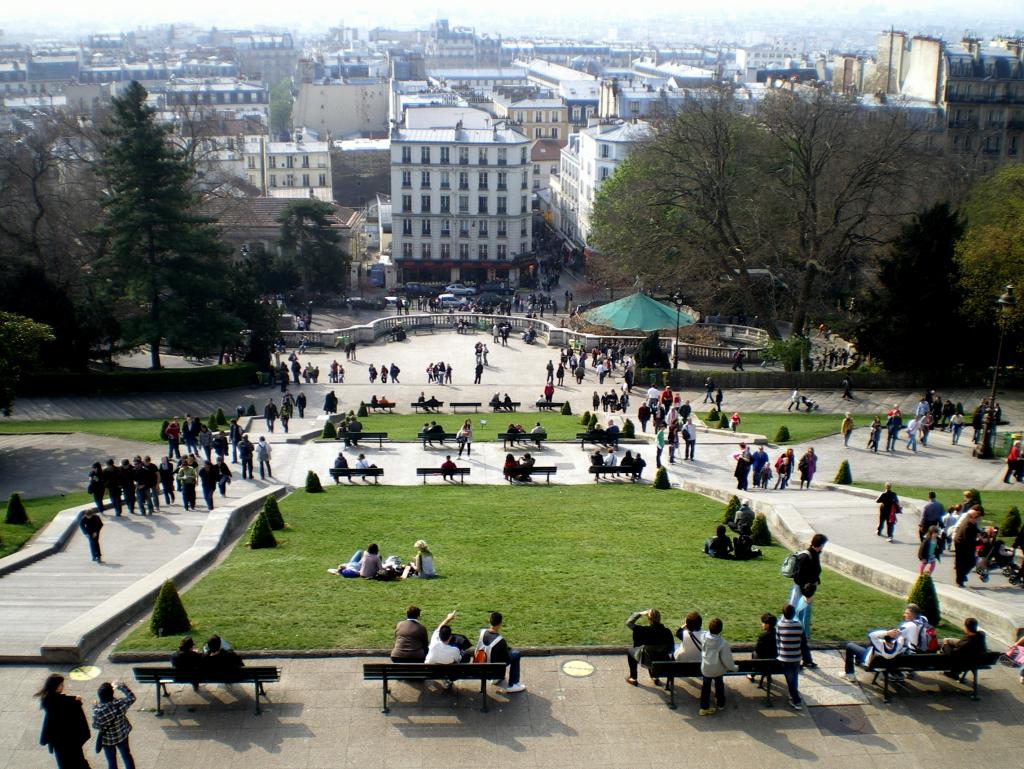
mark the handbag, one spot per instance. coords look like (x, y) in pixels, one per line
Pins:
(99, 740)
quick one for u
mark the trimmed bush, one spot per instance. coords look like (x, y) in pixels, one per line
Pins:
(730, 508)
(661, 479)
(782, 436)
(330, 431)
(1011, 523)
(16, 512)
(924, 595)
(363, 412)
(713, 417)
(593, 422)
(163, 430)
(628, 429)
(169, 615)
(251, 410)
(585, 419)
(724, 423)
(759, 532)
(212, 422)
(261, 536)
(221, 419)
(313, 485)
(843, 474)
(566, 409)
(273, 513)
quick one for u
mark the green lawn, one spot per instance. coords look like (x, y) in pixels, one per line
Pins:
(40, 512)
(802, 427)
(138, 430)
(404, 427)
(996, 502)
(565, 564)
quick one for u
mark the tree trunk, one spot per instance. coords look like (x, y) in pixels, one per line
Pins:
(804, 298)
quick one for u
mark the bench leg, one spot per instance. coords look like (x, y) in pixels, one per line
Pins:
(483, 694)
(258, 690)
(384, 684)
(885, 686)
(462, 478)
(974, 689)
(670, 685)
(159, 709)
(768, 690)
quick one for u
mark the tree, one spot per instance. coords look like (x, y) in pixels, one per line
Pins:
(273, 513)
(923, 594)
(160, 254)
(281, 108)
(20, 340)
(313, 485)
(313, 245)
(661, 480)
(649, 354)
(844, 476)
(260, 536)
(16, 512)
(169, 615)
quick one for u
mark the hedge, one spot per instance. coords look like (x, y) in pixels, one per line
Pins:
(776, 379)
(118, 382)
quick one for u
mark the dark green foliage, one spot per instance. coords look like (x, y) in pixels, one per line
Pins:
(169, 615)
(222, 420)
(782, 435)
(313, 485)
(585, 419)
(759, 532)
(135, 381)
(273, 512)
(251, 410)
(843, 474)
(628, 429)
(1011, 523)
(730, 508)
(661, 479)
(566, 409)
(593, 421)
(790, 352)
(649, 354)
(16, 512)
(924, 595)
(212, 422)
(163, 430)
(261, 536)
(724, 423)
(313, 245)
(713, 417)
(330, 432)
(363, 411)
(20, 340)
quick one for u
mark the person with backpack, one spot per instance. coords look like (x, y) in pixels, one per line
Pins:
(492, 647)
(804, 567)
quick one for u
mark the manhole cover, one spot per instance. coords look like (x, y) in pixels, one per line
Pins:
(84, 673)
(577, 668)
(841, 720)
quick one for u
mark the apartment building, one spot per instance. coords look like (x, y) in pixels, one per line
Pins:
(535, 118)
(294, 169)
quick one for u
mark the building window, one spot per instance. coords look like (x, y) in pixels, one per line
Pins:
(522, 229)
(554, 133)
(481, 204)
(463, 250)
(602, 174)
(406, 179)
(463, 180)
(425, 179)
(407, 226)
(305, 161)
(463, 204)
(406, 204)
(502, 228)
(425, 250)
(273, 180)
(481, 156)
(322, 180)
(463, 228)
(445, 181)
(406, 154)
(603, 152)
(502, 204)
(289, 162)
(425, 227)
(273, 162)
(407, 250)
(424, 204)
(463, 156)
(575, 114)
(502, 251)
(425, 155)
(502, 180)
(289, 180)
(523, 208)
(446, 204)
(445, 155)
(538, 133)
(538, 116)
(482, 229)
(252, 162)
(305, 180)
(522, 157)
(446, 250)
(502, 156)
(446, 228)
(481, 251)
(482, 180)
(536, 184)
(536, 168)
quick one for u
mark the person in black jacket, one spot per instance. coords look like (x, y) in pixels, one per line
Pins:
(127, 484)
(96, 485)
(808, 567)
(65, 728)
(90, 524)
(964, 652)
(651, 642)
(112, 480)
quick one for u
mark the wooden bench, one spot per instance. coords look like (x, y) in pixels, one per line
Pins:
(535, 470)
(257, 676)
(920, 663)
(423, 472)
(420, 671)
(671, 670)
(434, 406)
(514, 438)
(439, 437)
(602, 439)
(354, 438)
(508, 407)
(381, 406)
(617, 470)
(544, 405)
(356, 472)
(465, 404)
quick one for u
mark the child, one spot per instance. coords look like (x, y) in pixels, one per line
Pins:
(734, 420)
(715, 660)
(766, 646)
(928, 552)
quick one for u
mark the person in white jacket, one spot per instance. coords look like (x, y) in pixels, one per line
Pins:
(715, 661)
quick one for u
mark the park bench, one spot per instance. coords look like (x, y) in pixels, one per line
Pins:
(544, 405)
(465, 404)
(420, 671)
(423, 472)
(381, 406)
(670, 670)
(617, 470)
(535, 470)
(439, 437)
(601, 438)
(919, 663)
(514, 438)
(510, 406)
(356, 437)
(257, 676)
(311, 345)
(356, 472)
(427, 406)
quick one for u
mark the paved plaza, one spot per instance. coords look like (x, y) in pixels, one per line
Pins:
(323, 715)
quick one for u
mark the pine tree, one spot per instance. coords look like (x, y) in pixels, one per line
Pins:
(782, 436)
(713, 417)
(363, 411)
(16, 512)
(250, 411)
(221, 419)
(313, 485)
(585, 419)
(730, 509)
(649, 353)
(309, 240)
(566, 409)
(661, 479)
(169, 615)
(261, 536)
(628, 429)
(760, 534)
(1011, 523)
(924, 595)
(843, 474)
(330, 432)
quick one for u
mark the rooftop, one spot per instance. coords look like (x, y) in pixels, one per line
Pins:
(458, 136)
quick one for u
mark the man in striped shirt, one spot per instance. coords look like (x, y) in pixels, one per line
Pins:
(790, 636)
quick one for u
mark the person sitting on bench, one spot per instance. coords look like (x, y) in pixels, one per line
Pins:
(492, 647)
(443, 649)
(610, 460)
(513, 428)
(422, 399)
(507, 403)
(689, 635)
(410, 638)
(965, 652)
(433, 403)
(510, 468)
(887, 644)
(218, 658)
(526, 462)
(422, 564)
(354, 428)
(187, 659)
(538, 430)
(432, 428)
(611, 432)
(597, 458)
(340, 463)
(448, 466)
(720, 546)
(495, 402)
(651, 642)
(373, 400)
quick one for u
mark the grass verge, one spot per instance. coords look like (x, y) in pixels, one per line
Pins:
(802, 427)
(566, 565)
(137, 430)
(40, 512)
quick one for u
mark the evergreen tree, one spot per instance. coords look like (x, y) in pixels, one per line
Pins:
(260, 536)
(169, 615)
(844, 476)
(759, 531)
(649, 354)
(661, 480)
(313, 485)
(308, 238)
(924, 595)
(16, 512)
(273, 512)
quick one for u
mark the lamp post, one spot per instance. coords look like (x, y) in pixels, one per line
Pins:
(984, 450)
(677, 300)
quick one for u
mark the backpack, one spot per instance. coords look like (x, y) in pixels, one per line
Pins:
(791, 564)
(927, 639)
(483, 651)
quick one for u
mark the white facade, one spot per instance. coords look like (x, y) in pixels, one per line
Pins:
(342, 109)
(290, 169)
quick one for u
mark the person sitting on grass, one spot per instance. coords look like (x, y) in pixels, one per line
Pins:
(651, 643)
(964, 652)
(743, 518)
(720, 546)
(448, 466)
(422, 564)
(743, 546)
(371, 563)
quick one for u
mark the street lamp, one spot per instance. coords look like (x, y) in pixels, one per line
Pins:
(984, 450)
(677, 300)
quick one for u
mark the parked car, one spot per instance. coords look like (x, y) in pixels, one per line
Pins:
(450, 301)
(460, 289)
(497, 287)
(418, 289)
(366, 303)
(490, 299)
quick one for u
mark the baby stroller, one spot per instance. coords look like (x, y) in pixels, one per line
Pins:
(808, 403)
(994, 554)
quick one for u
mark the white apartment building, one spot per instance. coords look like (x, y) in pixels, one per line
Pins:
(296, 169)
(590, 158)
(460, 199)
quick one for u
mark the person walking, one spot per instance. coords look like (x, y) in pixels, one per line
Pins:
(263, 453)
(65, 728)
(111, 723)
(245, 452)
(807, 465)
(208, 477)
(465, 438)
(659, 440)
(90, 524)
(846, 428)
(188, 477)
(478, 372)
(888, 509)
(965, 542)
(270, 414)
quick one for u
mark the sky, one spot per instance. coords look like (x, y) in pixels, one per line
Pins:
(116, 15)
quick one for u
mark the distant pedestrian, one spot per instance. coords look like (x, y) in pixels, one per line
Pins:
(111, 724)
(90, 524)
(263, 452)
(846, 428)
(65, 728)
(719, 397)
(888, 509)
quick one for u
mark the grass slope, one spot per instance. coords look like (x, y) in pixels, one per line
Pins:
(40, 512)
(802, 427)
(566, 565)
(403, 427)
(139, 430)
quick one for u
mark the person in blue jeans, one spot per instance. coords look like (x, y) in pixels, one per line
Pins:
(496, 648)
(789, 634)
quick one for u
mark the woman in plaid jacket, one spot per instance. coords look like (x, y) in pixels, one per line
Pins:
(108, 718)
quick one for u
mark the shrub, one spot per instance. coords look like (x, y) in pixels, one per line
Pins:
(924, 595)
(661, 479)
(221, 419)
(649, 353)
(163, 430)
(843, 474)
(566, 409)
(975, 495)
(1011, 523)
(593, 422)
(759, 531)
(730, 508)
(313, 485)
(585, 419)
(330, 431)
(16, 512)
(169, 615)
(363, 411)
(251, 410)
(273, 513)
(261, 536)
(628, 429)
(212, 423)
(782, 436)
(724, 423)
(713, 417)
